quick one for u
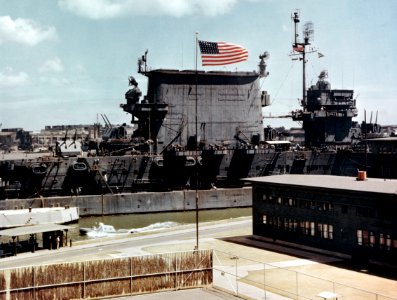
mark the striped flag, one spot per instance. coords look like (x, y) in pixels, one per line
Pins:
(221, 53)
(298, 48)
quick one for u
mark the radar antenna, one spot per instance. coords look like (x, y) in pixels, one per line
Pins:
(262, 64)
(308, 32)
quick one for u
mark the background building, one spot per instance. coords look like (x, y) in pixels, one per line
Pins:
(335, 213)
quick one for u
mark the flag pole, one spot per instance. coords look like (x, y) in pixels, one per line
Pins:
(197, 208)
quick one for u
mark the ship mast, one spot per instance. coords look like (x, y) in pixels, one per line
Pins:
(299, 48)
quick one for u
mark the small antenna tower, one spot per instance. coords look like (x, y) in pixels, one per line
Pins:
(142, 63)
(295, 18)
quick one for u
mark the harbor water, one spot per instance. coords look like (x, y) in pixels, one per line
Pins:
(152, 221)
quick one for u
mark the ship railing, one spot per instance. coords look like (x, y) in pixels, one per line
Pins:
(253, 150)
(145, 181)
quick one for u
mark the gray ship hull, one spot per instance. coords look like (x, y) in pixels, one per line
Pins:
(50, 176)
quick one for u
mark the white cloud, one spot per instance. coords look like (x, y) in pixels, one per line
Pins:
(24, 31)
(53, 65)
(54, 81)
(78, 68)
(106, 9)
(9, 78)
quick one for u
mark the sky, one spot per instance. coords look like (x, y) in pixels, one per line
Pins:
(68, 61)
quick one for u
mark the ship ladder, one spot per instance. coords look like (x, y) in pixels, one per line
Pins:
(331, 161)
(115, 168)
(49, 175)
(119, 167)
(126, 175)
(106, 183)
(41, 190)
(267, 168)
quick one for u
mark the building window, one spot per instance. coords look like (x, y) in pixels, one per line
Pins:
(365, 212)
(308, 204)
(302, 227)
(279, 223)
(325, 231)
(264, 198)
(359, 237)
(385, 242)
(326, 206)
(307, 227)
(371, 239)
(330, 206)
(388, 242)
(294, 225)
(312, 228)
(344, 209)
(381, 240)
(322, 230)
(286, 224)
(367, 238)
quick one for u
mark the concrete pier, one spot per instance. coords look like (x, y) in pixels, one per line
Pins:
(144, 202)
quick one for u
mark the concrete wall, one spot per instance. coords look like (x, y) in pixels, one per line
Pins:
(145, 202)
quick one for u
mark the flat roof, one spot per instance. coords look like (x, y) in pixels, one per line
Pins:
(33, 210)
(203, 72)
(17, 231)
(374, 185)
(385, 139)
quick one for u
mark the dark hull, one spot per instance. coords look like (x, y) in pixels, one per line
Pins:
(177, 170)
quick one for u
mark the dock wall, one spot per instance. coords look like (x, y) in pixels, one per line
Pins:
(145, 202)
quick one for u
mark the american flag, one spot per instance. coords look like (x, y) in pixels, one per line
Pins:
(298, 48)
(221, 53)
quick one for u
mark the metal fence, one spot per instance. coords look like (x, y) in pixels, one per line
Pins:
(111, 277)
(247, 278)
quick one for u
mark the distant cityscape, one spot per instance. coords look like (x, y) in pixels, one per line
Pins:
(14, 139)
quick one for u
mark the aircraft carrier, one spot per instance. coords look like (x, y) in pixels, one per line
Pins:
(203, 130)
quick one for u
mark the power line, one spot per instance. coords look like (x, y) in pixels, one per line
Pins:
(282, 83)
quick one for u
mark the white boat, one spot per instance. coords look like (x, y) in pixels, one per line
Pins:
(101, 230)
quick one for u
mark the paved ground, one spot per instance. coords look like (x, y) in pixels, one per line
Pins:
(283, 271)
(204, 294)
